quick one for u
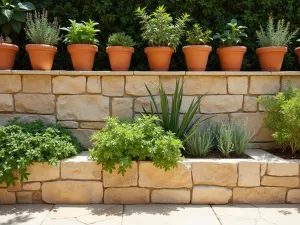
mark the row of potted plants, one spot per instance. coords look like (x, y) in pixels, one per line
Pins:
(163, 37)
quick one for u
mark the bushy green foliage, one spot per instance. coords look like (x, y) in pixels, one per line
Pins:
(196, 36)
(119, 143)
(40, 31)
(275, 36)
(224, 139)
(232, 35)
(81, 33)
(283, 117)
(22, 144)
(241, 138)
(120, 39)
(158, 28)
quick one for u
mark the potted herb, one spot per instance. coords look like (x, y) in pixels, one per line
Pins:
(82, 44)
(196, 54)
(120, 50)
(230, 53)
(12, 15)
(43, 35)
(273, 41)
(297, 51)
(162, 36)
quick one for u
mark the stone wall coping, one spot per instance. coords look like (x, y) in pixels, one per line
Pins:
(150, 73)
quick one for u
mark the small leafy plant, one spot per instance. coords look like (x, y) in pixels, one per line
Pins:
(6, 40)
(224, 139)
(232, 36)
(275, 36)
(40, 31)
(81, 33)
(121, 142)
(196, 36)
(120, 39)
(158, 28)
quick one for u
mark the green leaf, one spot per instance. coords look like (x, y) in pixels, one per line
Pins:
(2, 19)
(7, 13)
(6, 28)
(19, 16)
(26, 6)
(16, 26)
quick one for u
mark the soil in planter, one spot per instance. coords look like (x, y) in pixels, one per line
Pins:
(284, 154)
(218, 155)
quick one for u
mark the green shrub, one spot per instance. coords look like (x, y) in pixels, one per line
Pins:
(240, 138)
(120, 39)
(224, 139)
(158, 28)
(22, 144)
(40, 31)
(196, 36)
(275, 36)
(283, 117)
(119, 143)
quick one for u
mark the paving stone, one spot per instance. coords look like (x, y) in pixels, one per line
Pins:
(128, 195)
(249, 174)
(174, 196)
(94, 85)
(237, 85)
(221, 103)
(72, 221)
(197, 85)
(43, 172)
(280, 181)
(10, 83)
(113, 85)
(283, 169)
(135, 85)
(211, 195)
(35, 103)
(69, 84)
(37, 84)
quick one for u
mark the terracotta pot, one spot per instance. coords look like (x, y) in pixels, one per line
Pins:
(196, 56)
(7, 56)
(271, 58)
(297, 51)
(83, 56)
(41, 56)
(119, 57)
(159, 58)
(231, 58)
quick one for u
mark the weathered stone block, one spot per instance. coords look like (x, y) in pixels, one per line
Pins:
(130, 195)
(264, 84)
(135, 85)
(94, 85)
(215, 173)
(186, 102)
(7, 197)
(6, 103)
(151, 176)
(263, 169)
(24, 197)
(69, 85)
(113, 85)
(68, 124)
(211, 195)
(82, 107)
(83, 136)
(37, 84)
(32, 186)
(283, 169)
(221, 103)
(16, 187)
(197, 85)
(250, 104)
(72, 192)
(294, 80)
(10, 83)
(35, 103)
(146, 103)
(249, 174)
(237, 85)
(122, 108)
(280, 181)
(293, 196)
(171, 196)
(42, 172)
(92, 125)
(169, 84)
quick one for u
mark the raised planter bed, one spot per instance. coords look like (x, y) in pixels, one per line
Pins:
(264, 178)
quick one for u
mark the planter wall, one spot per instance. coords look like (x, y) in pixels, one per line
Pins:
(81, 100)
(264, 179)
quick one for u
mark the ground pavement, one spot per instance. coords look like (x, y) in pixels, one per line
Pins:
(150, 214)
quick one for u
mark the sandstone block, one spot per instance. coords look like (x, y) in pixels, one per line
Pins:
(92, 125)
(69, 85)
(37, 197)
(130, 195)
(215, 173)
(35, 103)
(118, 180)
(16, 187)
(7, 197)
(259, 195)
(250, 104)
(30, 118)
(3, 185)
(221, 103)
(72, 192)
(197, 85)
(122, 108)
(6, 103)
(280, 181)
(186, 102)
(283, 169)
(294, 80)
(82, 107)
(10, 83)
(68, 124)
(237, 85)
(146, 103)
(94, 85)
(171, 196)
(135, 85)
(42, 172)
(151, 176)
(24, 197)
(113, 85)
(293, 196)
(83, 136)
(169, 83)
(37, 84)
(32, 186)
(264, 84)
(263, 169)
(211, 195)
(249, 174)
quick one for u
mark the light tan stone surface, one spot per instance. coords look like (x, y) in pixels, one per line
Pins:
(249, 174)
(135, 85)
(37, 84)
(169, 83)
(93, 85)
(68, 124)
(10, 83)
(194, 85)
(129, 195)
(293, 196)
(146, 103)
(263, 169)
(221, 103)
(237, 85)
(35, 103)
(122, 108)
(82, 107)
(69, 85)
(211, 195)
(43, 172)
(114, 179)
(174, 196)
(151, 176)
(31, 186)
(72, 192)
(259, 195)
(283, 169)
(280, 181)
(16, 187)
(214, 173)
(250, 104)
(264, 84)
(24, 197)
(294, 80)
(186, 102)
(7, 197)
(83, 136)
(113, 85)
(6, 103)
(92, 125)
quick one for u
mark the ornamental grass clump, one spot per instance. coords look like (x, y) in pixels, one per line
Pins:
(120, 39)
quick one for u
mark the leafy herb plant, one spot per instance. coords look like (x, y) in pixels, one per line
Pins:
(6, 40)
(196, 36)
(232, 35)
(120, 39)
(40, 31)
(81, 33)
(158, 28)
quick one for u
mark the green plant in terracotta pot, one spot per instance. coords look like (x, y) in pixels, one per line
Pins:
(297, 51)
(163, 36)
(231, 53)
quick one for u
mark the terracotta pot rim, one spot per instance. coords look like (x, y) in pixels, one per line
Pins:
(297, 49)
(271, 49)
(159, 49)
(9, 46)
(119, 48)
(82, 47)
(197, 46)
(40, 47)
(233, 49)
